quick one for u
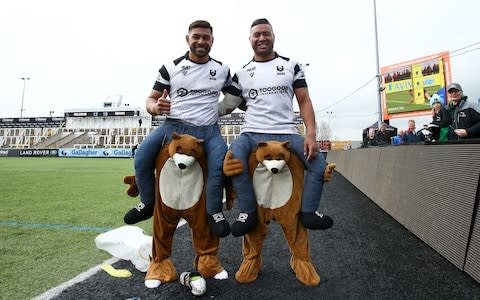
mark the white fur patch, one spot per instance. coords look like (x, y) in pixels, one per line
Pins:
(180, 189)
(272, 190)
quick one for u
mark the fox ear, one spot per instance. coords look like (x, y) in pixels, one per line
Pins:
(261, 144)
(175, 136)
(286, 144)
(200, 141)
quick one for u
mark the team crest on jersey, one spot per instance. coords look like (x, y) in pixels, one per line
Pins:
(181, 92)
(212, 74)
(280, 70)
(253, 93)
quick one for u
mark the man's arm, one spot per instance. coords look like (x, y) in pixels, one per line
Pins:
(308, 115)
(228, 104)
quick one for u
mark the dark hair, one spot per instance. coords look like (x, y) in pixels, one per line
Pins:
(200, 24)
(260, 21)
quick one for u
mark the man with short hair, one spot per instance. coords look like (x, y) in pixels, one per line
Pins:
(381, 136)
(193, 83)
(411, 135)
(464, 114)
(267, 85)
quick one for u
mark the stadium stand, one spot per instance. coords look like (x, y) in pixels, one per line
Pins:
(107, 127)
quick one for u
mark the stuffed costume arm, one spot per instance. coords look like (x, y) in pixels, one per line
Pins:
(228, 104)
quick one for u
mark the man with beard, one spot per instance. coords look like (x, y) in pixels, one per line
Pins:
(267, 85)
(192, 83)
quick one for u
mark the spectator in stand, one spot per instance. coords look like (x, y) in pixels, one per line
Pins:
(464, 114)
(382, 135)
(440, 119)
(370, 140)
(397, 140)
(410, 135)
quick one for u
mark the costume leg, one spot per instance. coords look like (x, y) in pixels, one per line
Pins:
(313, 187)
(252, 253)
(144, 175)
(243, 187)
(204, 241)
(164, 226)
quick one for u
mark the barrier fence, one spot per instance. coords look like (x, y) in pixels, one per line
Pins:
(432, 190)
(67, 152)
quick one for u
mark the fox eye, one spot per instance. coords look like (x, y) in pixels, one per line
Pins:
(268, 157)
(178, 149)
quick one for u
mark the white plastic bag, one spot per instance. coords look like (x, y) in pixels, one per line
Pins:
(128, 243)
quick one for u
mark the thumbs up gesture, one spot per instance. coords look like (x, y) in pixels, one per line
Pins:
(163, 103)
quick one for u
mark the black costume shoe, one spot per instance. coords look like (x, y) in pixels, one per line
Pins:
(218, 224)
(316, 220)
(244, 223)
(138, 213)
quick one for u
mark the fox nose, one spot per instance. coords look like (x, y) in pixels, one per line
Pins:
(274, 170)
(182, 166)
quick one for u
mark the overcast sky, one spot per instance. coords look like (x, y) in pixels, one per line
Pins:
(79, 54)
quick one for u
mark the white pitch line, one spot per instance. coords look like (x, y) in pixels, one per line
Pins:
(53, 292)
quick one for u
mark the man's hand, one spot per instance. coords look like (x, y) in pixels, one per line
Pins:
(310, 148)
(159, 104)
(461, 133)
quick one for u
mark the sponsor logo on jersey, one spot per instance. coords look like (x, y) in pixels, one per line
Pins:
(253, 93)
(280, 70)
(182, 92)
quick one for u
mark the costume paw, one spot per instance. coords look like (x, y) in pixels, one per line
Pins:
(221, 276)
(232, 167)
(132, 190)
(152, 283)
(328, 173)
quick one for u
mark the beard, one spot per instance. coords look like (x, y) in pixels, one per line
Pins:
(263, 50)
(200, 51)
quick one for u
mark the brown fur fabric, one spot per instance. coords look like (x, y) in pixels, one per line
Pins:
(165, 218)
(287, 216)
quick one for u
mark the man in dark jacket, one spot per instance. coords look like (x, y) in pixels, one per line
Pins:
(382, 136)
(464, 115)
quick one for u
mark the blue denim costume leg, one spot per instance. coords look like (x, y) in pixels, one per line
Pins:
(214, 147)
(242, 183)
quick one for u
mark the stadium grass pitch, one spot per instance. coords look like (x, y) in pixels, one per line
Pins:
(51, 211)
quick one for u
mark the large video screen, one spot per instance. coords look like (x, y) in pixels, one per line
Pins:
(408, 86)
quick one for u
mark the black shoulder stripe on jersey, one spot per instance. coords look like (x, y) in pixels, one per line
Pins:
(160, 87)
(217, 61)
(164, 73)
(247, 63)
(178, 60)
(296, 69)
(282, 57)
(235, 78)
(300, 83)
(232, 90)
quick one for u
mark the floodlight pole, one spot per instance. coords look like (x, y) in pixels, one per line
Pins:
(379, 79)
(23, 94)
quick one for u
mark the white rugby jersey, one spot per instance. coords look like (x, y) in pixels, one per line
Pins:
(194, 89)
(268, 89)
